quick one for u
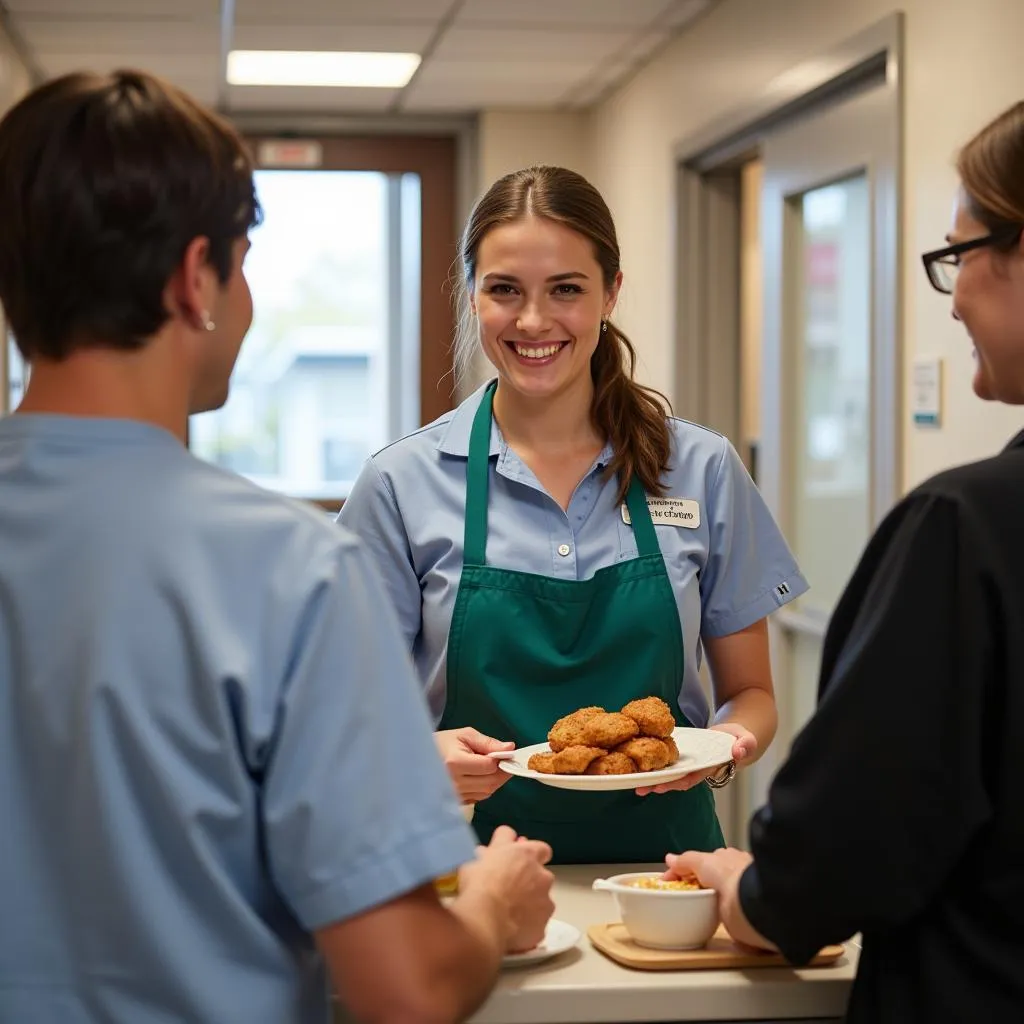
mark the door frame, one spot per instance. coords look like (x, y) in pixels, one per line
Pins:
(707, 208)
(706, 370)
(434, 159)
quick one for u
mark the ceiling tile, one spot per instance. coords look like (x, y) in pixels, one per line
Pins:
(138, 10)
(684, 12)
(448, 98)
(502, 75)
(340, 12)
(341, 101)
(642, 47)
(583, 15)
(88, 37)
(175, 67)
(554, 46)
(393, 38)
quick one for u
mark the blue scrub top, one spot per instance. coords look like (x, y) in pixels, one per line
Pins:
(212, 741)
(729, 564)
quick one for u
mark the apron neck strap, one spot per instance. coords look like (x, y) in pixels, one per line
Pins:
(640, 517)
(477, 481)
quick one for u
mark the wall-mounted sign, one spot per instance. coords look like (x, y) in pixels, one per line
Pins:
(926, 392)
(296, 154)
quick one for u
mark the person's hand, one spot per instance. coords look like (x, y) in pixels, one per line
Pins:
(744, 747)
(464, 752)
(513, 866)
(721, 871)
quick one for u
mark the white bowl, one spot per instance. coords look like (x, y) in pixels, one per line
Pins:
(663, 918)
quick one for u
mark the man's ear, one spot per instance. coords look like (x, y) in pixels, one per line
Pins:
(193, 285)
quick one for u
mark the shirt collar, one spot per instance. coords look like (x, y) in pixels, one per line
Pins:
(455, 440)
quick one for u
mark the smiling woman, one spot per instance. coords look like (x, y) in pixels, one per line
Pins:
(559, 542)
(541, 280)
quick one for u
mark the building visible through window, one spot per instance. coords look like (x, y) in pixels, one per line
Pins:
(330, 370)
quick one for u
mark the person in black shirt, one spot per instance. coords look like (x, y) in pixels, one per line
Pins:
(900, 811)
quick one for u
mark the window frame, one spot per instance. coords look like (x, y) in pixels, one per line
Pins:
(434, 159)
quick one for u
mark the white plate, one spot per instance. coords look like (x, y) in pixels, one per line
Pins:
(558, 937)
(698, 749)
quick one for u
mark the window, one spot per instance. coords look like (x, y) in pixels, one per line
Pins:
(330, 370)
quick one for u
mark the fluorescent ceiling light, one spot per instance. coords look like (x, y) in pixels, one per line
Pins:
(321, 68)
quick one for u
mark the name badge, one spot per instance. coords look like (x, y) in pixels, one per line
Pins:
(683, 512)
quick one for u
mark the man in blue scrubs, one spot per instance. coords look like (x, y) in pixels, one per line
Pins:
(217, 773)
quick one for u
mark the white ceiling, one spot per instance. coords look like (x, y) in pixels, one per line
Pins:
(476, 53)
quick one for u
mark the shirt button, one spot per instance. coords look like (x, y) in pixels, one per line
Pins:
(564, 549)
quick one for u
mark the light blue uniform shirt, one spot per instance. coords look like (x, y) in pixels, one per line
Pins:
(211, 739)
(409, 505)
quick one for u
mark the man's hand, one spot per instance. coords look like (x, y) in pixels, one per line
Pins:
(513, 868)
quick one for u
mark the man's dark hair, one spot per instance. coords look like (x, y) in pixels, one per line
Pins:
(104, 182)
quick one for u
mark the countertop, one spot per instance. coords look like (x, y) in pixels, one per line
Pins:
(582, 986)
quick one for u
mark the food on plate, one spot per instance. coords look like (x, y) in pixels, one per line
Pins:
(543, 763)
(652, 715)
(572, 760)
(592, 741)
(671, 885)
(608, 730)
(649, 753)
(612, 764)
(568, 731)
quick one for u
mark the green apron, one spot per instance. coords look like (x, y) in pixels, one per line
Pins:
(524, 650)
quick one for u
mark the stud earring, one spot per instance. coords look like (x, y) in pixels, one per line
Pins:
(207, 322)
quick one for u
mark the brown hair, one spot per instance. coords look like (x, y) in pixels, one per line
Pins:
(631, 416)
(991, 168)
(104, 182)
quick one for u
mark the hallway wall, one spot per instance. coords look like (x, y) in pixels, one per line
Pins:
(961, 69)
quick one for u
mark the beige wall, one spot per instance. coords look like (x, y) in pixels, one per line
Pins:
(511, 139)
(730, 57)
(14, 76)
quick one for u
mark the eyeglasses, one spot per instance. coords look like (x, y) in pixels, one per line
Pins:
(941, 265)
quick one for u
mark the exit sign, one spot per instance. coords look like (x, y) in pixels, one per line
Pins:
(293, 153)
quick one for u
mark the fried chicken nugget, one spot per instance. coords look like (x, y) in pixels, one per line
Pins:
(672, 749)
(571, 761)
(568, 731)
(608, 730)
(649, 752)
(543, 763)
(576, 760)
(652, 715)
(612, 764)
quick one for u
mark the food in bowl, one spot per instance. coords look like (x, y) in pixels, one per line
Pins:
(661, 915)
(593, 741)
(666, 884)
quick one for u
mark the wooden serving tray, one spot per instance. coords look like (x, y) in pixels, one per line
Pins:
(721, 953)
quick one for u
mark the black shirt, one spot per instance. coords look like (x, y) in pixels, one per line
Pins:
(900, 811)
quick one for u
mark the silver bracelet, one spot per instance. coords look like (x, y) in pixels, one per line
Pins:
(723, 777)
